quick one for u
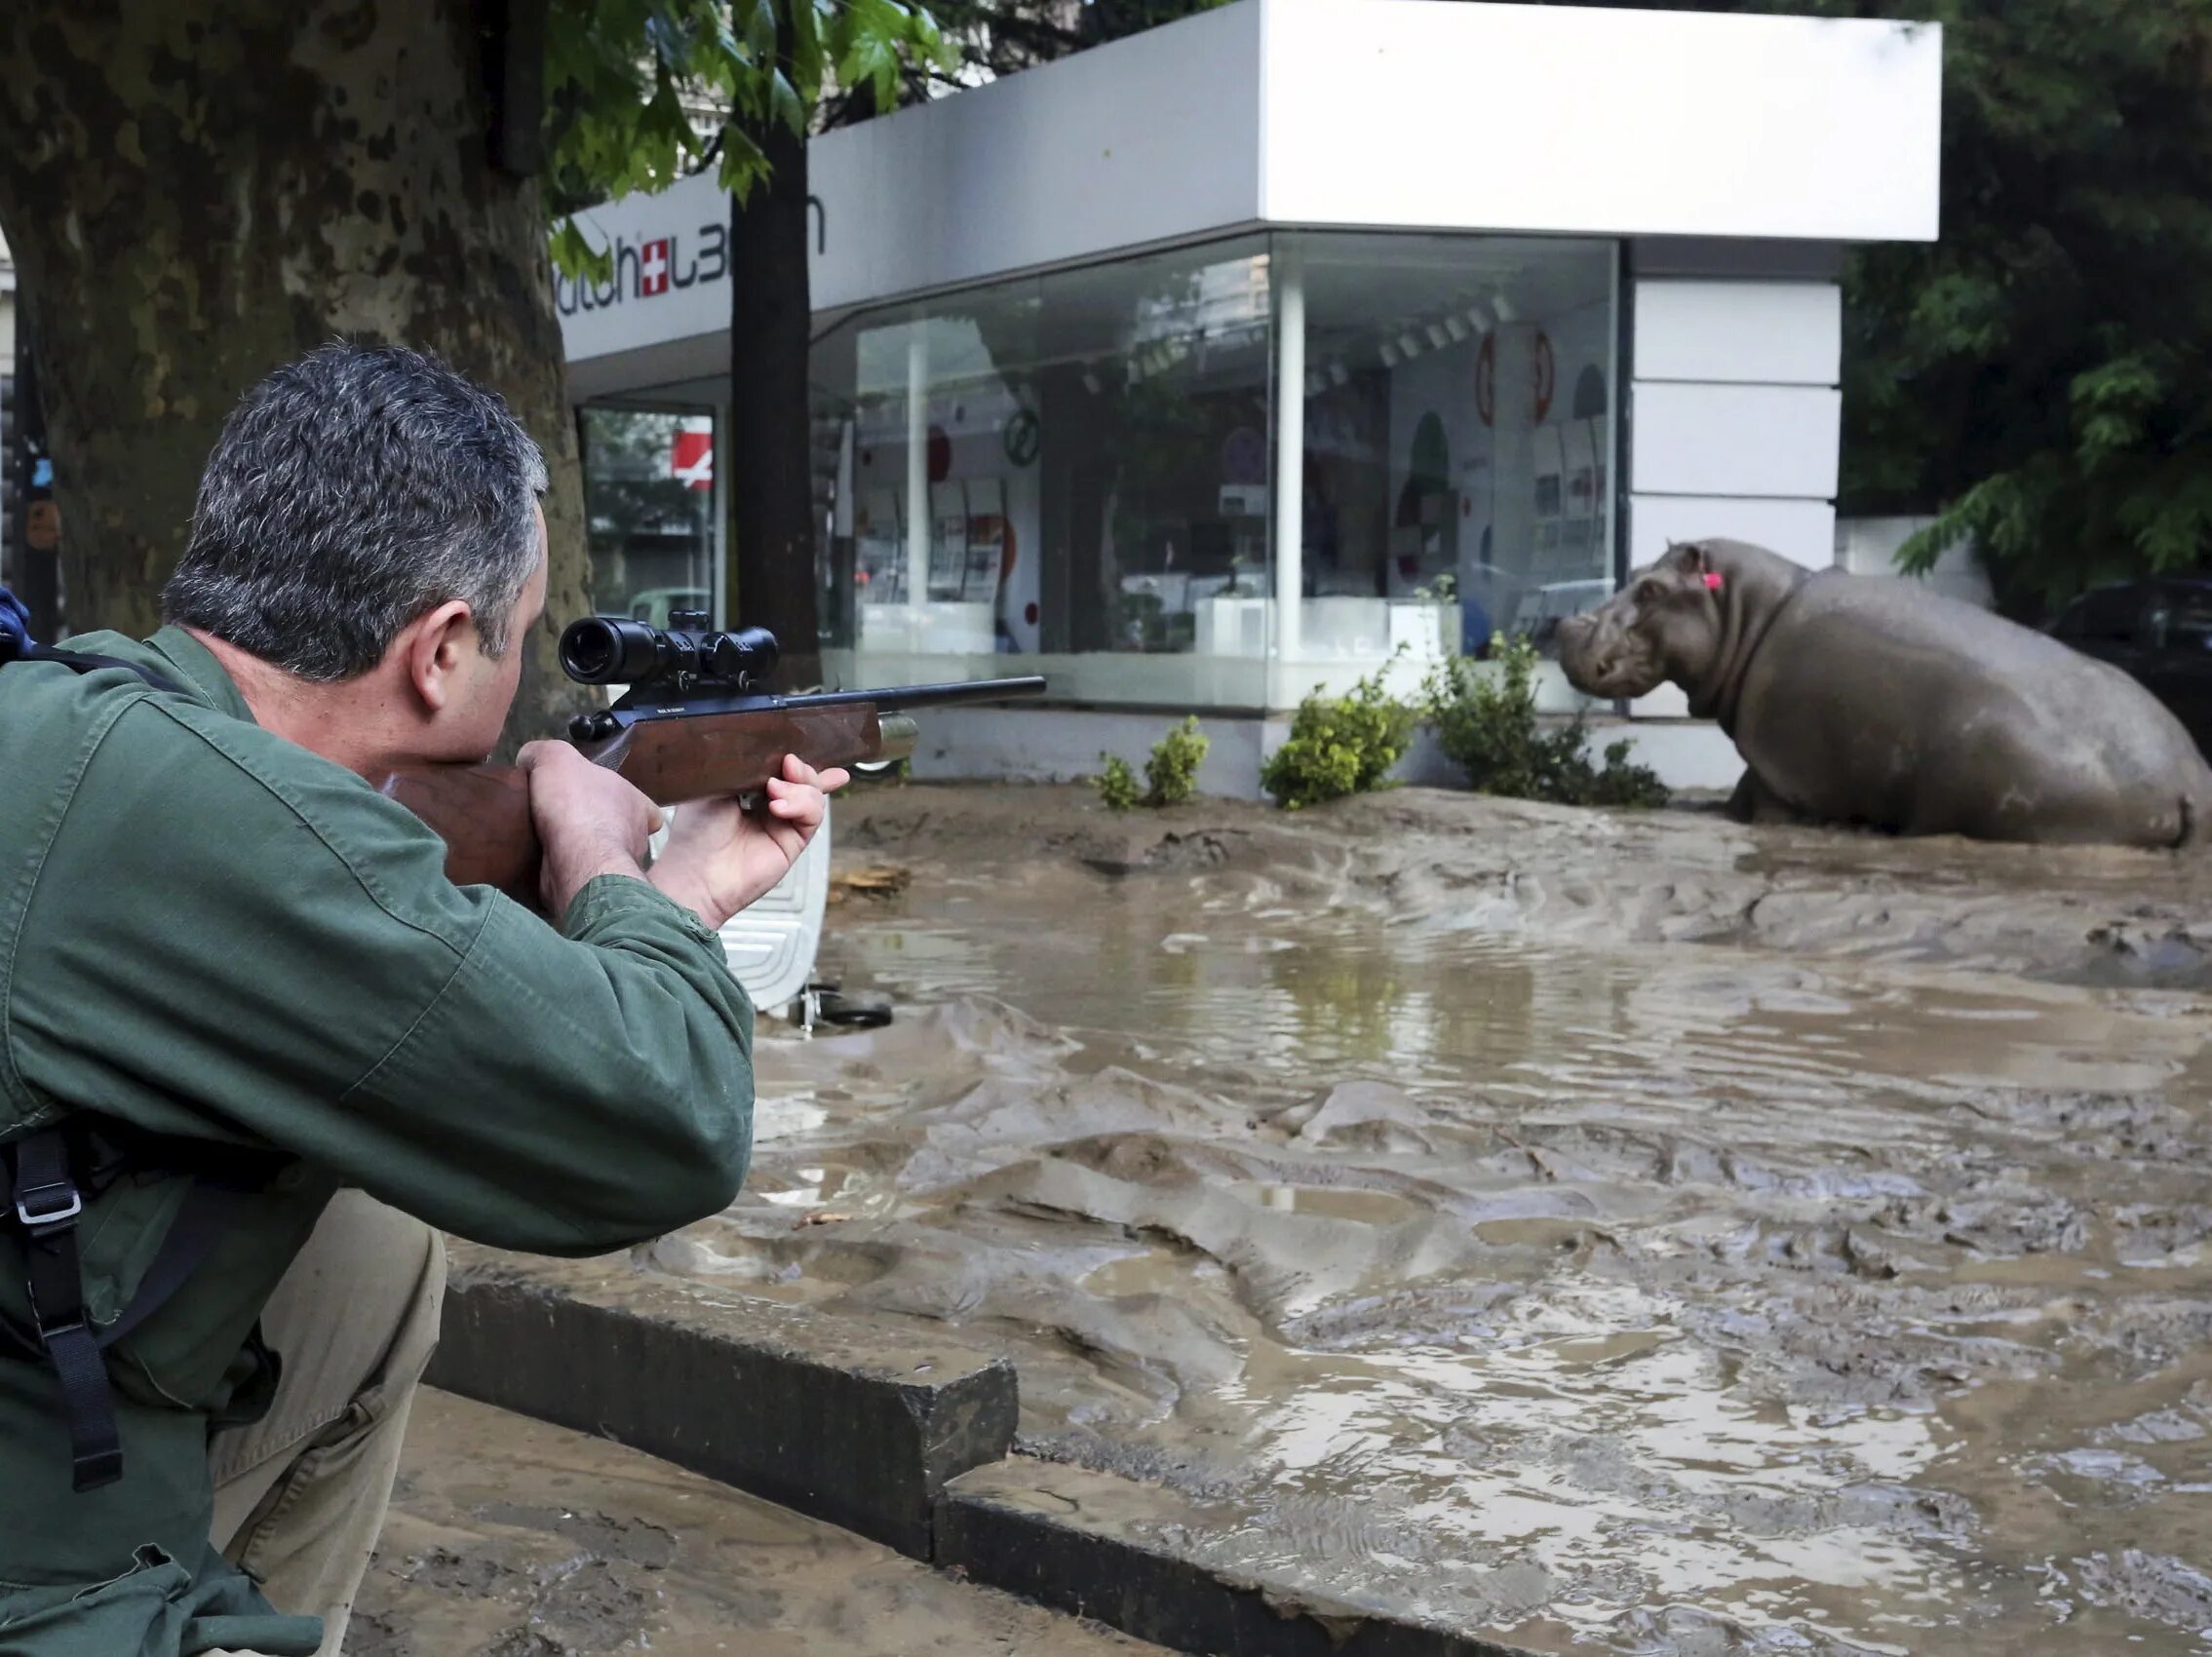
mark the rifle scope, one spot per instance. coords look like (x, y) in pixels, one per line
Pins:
(617, 650)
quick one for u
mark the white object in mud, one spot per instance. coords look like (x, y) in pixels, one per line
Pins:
(770, 946)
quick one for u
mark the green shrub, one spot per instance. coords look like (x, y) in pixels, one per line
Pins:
(1340, 745)
(1116, 784)
(1488, 724)
(1171, 775)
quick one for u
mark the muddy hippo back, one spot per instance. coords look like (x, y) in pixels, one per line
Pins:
(1874, 701)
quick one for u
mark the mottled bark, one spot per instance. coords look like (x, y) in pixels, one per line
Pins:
(771, 485)
(198, 190)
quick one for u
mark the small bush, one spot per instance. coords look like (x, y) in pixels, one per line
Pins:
(1116, 784)
(1340, 745)
(1488, 724)
(1171, 775)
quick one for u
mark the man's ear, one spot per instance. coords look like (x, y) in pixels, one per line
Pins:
(433, 649)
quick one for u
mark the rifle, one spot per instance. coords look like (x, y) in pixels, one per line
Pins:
(695, 723)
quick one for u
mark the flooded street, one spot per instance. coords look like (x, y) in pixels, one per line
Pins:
(1597, 1234)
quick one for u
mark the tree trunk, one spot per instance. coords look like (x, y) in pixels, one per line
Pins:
(771, 485)
(200, 190)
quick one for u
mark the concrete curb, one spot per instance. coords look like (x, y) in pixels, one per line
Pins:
(904, 1439)
(1087, 1543)
(774, 1402)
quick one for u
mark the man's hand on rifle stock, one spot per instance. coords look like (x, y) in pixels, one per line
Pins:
(720, 858)
(588, 820)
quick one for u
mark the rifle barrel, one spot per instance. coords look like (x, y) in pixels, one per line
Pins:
(899, 696)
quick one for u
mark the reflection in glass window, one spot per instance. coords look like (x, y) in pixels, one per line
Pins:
(1458, 433)
(1086, 464)
(649, 511)
(1074, 463)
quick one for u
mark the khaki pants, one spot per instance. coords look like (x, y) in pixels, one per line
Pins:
(300, 1495)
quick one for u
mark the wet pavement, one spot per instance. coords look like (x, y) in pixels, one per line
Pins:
(1639, 1235)
(510, 1538)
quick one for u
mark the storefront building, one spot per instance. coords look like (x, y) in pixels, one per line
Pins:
(1291, 341)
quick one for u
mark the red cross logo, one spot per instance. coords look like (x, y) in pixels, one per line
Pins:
(692, 459)
(652, 269)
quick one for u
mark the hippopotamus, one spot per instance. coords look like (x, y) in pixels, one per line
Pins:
(1861, 700)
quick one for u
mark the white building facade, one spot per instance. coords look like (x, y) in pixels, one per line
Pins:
(1294, 340)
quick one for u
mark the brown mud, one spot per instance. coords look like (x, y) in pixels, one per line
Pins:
(1603, 1233)
(510, 1538)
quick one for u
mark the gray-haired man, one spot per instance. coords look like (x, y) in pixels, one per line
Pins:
(235, 983)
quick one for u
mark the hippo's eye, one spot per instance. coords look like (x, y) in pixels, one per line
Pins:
(1649, 592)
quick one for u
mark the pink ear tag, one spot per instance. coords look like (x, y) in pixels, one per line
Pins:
(1713, 581)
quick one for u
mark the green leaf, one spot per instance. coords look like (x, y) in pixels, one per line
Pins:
(573, 256)
(785, 106)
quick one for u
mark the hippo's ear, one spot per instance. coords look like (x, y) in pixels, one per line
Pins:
(1688, 556)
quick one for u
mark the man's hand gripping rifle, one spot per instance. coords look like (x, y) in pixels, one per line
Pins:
(695, 723)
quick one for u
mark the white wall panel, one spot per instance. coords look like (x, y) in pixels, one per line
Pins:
(1735, 440)
(1803, 531)
(1599, 120)
(1758, 333)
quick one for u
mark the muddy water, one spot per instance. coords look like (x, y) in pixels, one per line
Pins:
(1475, 1256)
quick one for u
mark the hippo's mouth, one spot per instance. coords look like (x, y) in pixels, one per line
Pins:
(1580, 676)
(1612, 678)
(1601, 657)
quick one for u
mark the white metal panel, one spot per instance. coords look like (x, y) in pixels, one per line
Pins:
(1149, 139)
(1735, 440)
(1584, 119)
(1802, 531)
(1760, 333)
(1869, 545)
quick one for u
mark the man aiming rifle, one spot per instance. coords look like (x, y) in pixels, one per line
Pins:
(256, 1045)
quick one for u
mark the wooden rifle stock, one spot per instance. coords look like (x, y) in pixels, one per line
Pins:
(676, 737)
(483, 812)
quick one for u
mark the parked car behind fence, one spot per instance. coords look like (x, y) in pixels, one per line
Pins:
(2159, 632)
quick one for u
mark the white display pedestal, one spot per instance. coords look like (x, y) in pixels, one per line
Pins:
(1232, 627)
(940, 628)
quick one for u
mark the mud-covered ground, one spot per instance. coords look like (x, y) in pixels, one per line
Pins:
(509, 1538)
(1626, 1234)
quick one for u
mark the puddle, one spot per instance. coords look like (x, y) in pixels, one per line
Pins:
(1576, 1287)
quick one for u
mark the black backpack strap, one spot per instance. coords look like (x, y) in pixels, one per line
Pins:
(47, 1203)
(78, 661)
(54, 1170)
(17, 645)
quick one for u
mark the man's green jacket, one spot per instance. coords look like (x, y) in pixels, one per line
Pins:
(208, 932)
